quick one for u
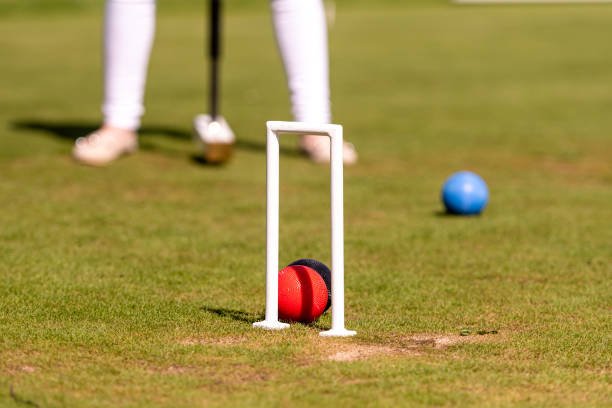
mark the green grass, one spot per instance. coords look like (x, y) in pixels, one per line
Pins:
(136, 284)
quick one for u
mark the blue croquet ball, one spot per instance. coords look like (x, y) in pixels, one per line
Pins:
(465, 193)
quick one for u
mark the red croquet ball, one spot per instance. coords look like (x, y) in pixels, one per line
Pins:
(302, 294)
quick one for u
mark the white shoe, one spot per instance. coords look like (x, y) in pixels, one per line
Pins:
(317, 148)
(104, 145)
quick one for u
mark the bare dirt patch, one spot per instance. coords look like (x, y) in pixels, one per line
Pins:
(351, 350)
(413, 345)
(170, 370)
(209, 341)
(244, 374)
(216, 374)
(14, 370)
(440, 341)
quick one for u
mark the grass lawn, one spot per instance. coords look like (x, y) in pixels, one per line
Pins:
(137, 284)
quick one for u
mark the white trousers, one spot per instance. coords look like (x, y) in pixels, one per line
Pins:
(129, 28)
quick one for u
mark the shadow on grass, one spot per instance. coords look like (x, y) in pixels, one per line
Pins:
(20, 400)
(71, 130)
(446, 214)
(237, 315)
(250, 318)
(318, 325)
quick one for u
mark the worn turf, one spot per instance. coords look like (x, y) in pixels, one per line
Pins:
(137, 284)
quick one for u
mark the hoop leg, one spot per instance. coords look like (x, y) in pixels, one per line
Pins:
(272, 207)
(337, 238)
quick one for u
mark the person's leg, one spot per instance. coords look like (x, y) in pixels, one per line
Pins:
(301, 34)
(128, 38)
(129, 29)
